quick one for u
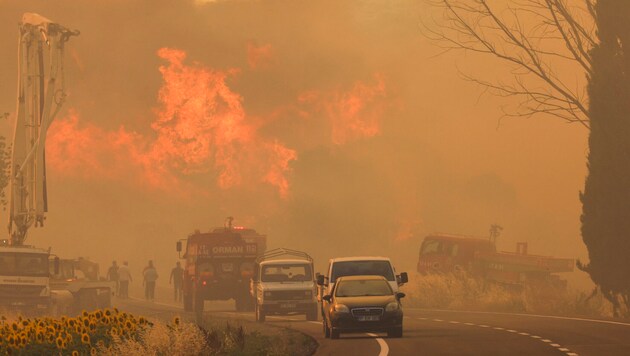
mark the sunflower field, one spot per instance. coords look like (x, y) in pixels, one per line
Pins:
(91, 333)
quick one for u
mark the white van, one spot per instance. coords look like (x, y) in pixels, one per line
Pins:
(358, 266)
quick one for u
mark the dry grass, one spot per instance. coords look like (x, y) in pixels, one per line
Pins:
(178, 338)
(216, 338)
(462, 292)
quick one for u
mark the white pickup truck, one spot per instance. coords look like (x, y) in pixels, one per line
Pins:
(283, 284)
(358, 266)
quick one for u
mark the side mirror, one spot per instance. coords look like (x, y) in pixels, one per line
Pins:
(56, 265)
(327, 298)
(400, 295)
(404, 278)
(320, 280)
(179, 246)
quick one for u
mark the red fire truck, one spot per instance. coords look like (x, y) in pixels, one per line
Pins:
(219, 265)
(442, 253)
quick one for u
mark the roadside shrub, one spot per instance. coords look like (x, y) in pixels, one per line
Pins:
(460, 291)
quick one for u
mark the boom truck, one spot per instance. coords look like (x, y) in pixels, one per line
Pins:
(219, 265)
(24, 269)
(444, 253)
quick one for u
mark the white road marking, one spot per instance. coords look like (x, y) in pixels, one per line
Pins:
(382, 344)
(528, 315)
(547, 341)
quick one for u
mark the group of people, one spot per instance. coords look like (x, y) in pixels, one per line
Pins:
(121, 276)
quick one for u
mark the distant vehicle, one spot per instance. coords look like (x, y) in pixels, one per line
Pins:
(357, 266)
(363, 304)
(284, 285)
(78, 286)
(441, 253)
(24, 279)
(219, 265)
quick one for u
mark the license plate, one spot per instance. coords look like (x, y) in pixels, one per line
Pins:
(368, 318)
(288, 306)
(228, 267)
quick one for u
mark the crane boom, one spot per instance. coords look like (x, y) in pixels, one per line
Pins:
(40, 96)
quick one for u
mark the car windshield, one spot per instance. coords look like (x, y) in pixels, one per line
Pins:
(362, 268)
(286, 273)
(360, 288)
(23, 264)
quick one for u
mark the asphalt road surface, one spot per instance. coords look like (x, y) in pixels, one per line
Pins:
(438, 332)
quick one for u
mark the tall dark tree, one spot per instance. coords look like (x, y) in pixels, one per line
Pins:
(606, 196)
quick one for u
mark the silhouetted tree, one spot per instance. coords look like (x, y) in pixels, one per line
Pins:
(533, 37)
(606, 197)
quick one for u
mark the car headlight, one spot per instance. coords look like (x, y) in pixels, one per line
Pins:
(340, 308)
(393, 306)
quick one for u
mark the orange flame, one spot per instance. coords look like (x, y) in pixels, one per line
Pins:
(353, 114)
(200, 126)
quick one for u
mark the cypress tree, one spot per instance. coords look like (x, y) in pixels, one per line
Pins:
(606, 196)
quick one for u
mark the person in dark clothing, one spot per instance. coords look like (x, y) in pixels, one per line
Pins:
(150, 275)
(177, 279)
(112, 275)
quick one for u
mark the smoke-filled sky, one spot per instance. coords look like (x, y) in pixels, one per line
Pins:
(332, 126)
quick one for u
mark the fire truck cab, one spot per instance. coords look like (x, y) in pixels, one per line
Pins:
(219, 265)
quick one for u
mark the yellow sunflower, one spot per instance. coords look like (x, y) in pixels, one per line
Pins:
(85, 338)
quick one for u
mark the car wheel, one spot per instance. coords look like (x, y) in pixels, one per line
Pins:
(395, 332)
(198, 302)
(334, 333)
(326, 329)
(260, 315)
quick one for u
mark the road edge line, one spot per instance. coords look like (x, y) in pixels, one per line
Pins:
(522, 314)
(382, 343)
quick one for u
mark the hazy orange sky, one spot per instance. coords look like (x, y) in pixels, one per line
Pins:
(440, 160)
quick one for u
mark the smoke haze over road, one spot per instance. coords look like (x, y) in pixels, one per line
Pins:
(329, 126)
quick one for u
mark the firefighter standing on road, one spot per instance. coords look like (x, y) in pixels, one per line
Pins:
(112, 275)
(124, 277)
(177, 279)
(150, 276)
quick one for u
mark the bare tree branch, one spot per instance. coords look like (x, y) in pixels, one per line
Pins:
(528, 35)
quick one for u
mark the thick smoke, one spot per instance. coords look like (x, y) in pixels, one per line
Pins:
(331, 126)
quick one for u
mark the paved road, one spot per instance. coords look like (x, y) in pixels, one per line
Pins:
(435, 332)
